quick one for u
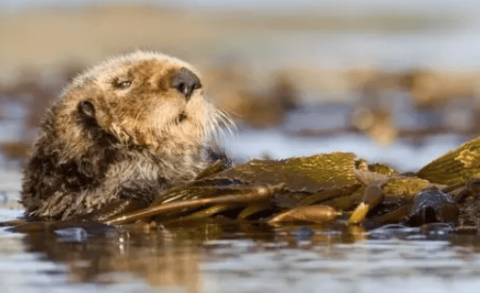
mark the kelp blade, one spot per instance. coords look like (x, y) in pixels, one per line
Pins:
(456, 166)
(298, 174)
(314, 213)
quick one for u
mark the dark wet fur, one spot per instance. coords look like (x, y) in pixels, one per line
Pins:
(47, 172)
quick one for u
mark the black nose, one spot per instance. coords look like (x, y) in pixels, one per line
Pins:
(185, 82)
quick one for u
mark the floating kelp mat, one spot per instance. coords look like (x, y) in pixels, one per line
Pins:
(325, 187)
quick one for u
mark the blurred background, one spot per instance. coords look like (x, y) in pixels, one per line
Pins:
(393, 81)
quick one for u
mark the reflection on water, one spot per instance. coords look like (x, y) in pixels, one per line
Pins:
(226, 256)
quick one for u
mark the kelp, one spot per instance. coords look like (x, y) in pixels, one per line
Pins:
(457, 166)
(305, 181)
(256, 194)
(310, 174)
(314, 189)
(405, 187)
(313, 213)
(372, 197)
(382, 169)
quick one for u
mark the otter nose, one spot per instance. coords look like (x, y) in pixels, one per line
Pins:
(186, 82)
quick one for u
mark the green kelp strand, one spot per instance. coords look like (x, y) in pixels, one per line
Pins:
(456, 166)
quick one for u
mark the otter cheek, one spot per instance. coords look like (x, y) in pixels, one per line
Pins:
(164, 114)
(195, 109)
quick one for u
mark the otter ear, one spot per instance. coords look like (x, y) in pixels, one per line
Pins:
(86, 108)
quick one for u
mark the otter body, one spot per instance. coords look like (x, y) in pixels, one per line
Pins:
(120, 134)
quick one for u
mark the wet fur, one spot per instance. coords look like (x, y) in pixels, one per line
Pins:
(102, 144)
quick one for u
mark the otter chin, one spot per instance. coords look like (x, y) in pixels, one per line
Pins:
(121, 133)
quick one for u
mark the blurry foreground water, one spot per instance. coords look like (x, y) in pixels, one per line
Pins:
(238, 257)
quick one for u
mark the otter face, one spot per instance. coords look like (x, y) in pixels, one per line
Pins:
(146, 99)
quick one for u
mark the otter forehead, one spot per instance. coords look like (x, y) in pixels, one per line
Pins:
(140, 63)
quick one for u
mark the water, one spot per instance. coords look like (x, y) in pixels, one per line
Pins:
(233, 257)
(363, 266)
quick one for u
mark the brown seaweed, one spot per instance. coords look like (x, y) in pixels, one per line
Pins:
(457, 166)
(313, 213)
(256, 194)
(309, 185)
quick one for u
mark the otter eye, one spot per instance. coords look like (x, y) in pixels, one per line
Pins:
(122, 84)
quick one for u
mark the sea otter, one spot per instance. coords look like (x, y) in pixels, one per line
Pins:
(120, 134)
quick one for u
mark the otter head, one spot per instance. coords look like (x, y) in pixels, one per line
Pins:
(122, 132)
(144, 99)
